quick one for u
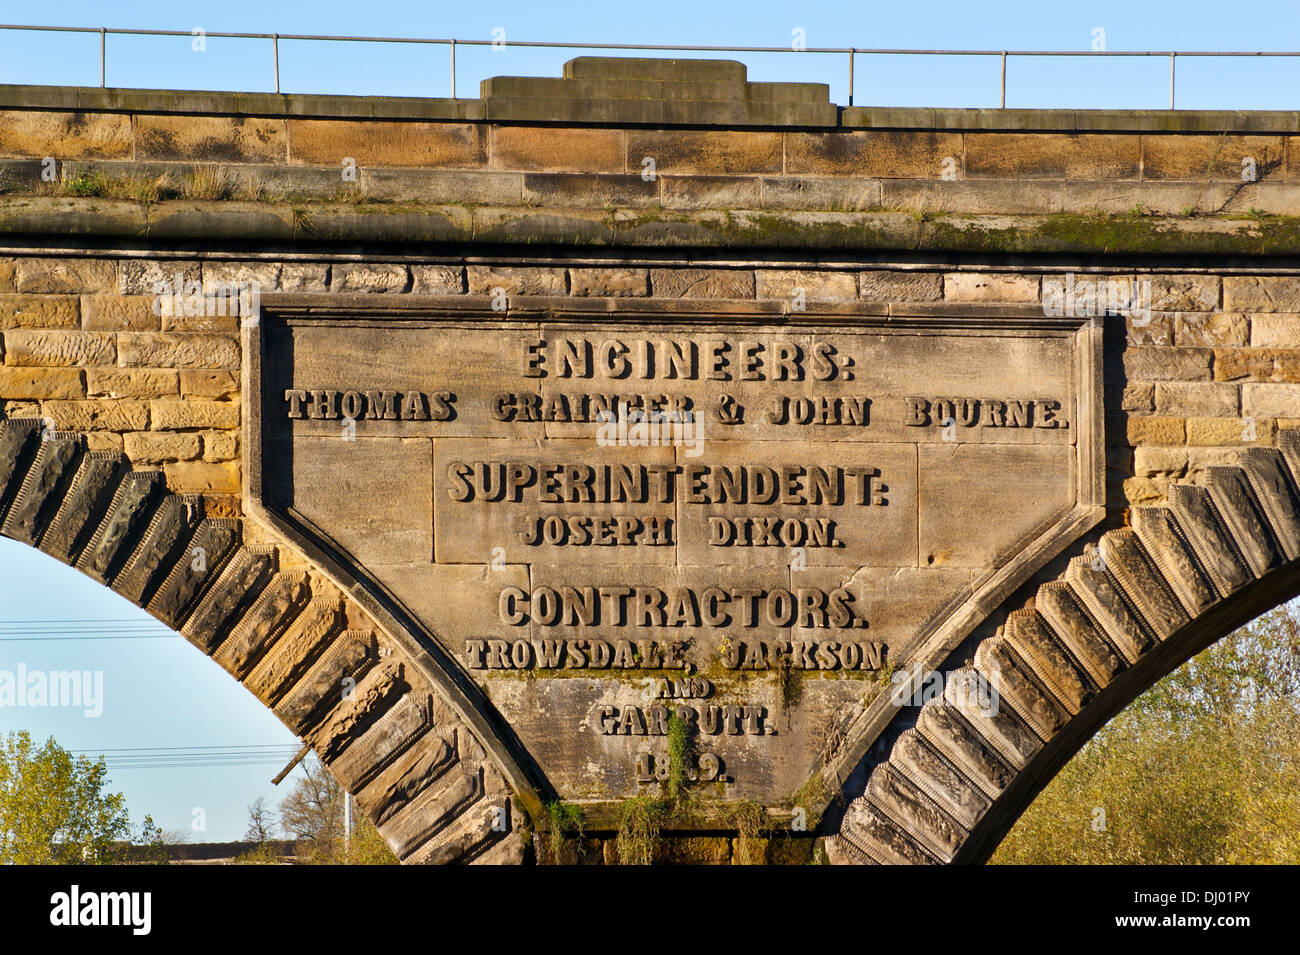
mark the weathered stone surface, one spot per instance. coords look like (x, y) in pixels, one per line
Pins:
(176, 350)
(515, 281)
(1188, 399)
(42, 348)
(126, 519)
(362, 277)
(1047, 156)
(437, 280)
(41, 491)
(159, 277)
(690, 152)
(560, 149)
(232, 139)
(131, 383)
(615, 282)
(208, 384)
(200, 477)
(39, 311)
(972, 287)
(1275, 331)
(194, 413)
(1168, 364)
(240, 586)
(702, 283)
(877, 153)
(326, 142)
(47, 276)
(220, 446)
(67, 135)
(814, 286)
(1200, 328)
(882, 286)
(112, 313)
(41, 383)
(154, 447)
(99, 414)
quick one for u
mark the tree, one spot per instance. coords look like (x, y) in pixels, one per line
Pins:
(54, 808)
(313, 811)
(259, 822)
(1202, 768)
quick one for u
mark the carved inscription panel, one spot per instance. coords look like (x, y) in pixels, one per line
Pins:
(614, 528)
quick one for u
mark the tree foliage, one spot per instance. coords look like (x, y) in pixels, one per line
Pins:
(54, 808)
(313, 811)
(1203, 768)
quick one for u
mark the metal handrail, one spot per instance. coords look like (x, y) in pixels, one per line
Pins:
(452, 43)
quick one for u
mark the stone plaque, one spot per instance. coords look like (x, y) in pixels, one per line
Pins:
(609, 522)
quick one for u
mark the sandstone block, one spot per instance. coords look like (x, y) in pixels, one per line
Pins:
(989, 287)
(516, 281)
(560, 149)
(99, 414)
(202, 477)
(1203, 328)
(1275, 331)
(75, 135)
(111, 313)
(885, 154)
(702, 283)
(41, 347)
(1167, 364)
(177, 350)
(155, 447)
(816, 286)
(327, 142)
(46, 276)
(1159, 431)
(39, 311)
(611, 282)
(194, 413)
(437, 280)
(1190, 399)
(209, 384)
(889, 286)
(234, 139)
(220, 446)
(28, 383)
(715, 152)
(1052, 156)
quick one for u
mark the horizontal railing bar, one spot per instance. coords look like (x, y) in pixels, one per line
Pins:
(665, 47)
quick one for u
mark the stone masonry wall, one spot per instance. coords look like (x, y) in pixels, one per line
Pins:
(1215, 365)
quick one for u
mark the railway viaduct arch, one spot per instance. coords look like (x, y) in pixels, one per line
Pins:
(1113, 297)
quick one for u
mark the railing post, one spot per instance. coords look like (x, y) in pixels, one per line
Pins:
(851, 52)
(1171, 79)
(275, 55)
(103, 32)
(1004, 79)
(453, 69)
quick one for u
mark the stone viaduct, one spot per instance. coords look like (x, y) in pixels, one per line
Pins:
(1154, 253)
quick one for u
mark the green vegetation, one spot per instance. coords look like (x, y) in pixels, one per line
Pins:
(54, 807)
(640, 820)
(1204, 768)
(566, 820)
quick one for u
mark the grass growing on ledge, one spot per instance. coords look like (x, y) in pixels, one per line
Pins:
(566, 819)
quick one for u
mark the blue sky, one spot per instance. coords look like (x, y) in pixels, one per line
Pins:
(921, 81)
(164, 693)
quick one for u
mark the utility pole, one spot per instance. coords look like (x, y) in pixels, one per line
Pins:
(347, 826)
